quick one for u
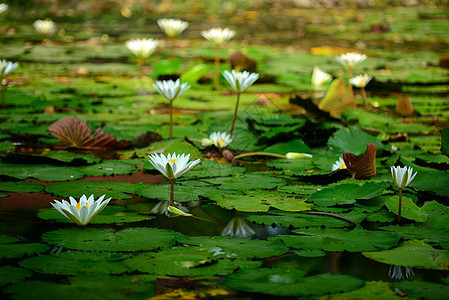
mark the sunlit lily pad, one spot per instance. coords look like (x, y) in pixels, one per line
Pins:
(73, 263)
(110, 167)
(248, 182)
(41, 172)
(290, 282)
(413, 254)
(353, 140)
(339, 239)
(130, 239)
(110, 214)
(412, 211)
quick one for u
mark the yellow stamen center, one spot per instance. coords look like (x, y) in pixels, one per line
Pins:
(78, 206)
(222, 142)
(342, 166)
(172, 160)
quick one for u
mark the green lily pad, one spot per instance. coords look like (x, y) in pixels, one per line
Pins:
(187, 261)
(6, 239)
(108, 168)
(413, 254)
(439, 222)
(162, 192)
(423, 290)
(20, 187)
(412, 211)
(298, 220)
(40, 172)
(373, 290)
(10, 274)
(296, 145)
(130, 239)
(84, 287)
(434, 181)
(347, 193)
(21, 249)
(110, 214)
(71, 157)
(74, 263)
(290, 282)
(353, 140)
(248, 182)
(429, 235)
(211, 168)
(445, 141)
(115, 190)
(339, 239)
(258, 201)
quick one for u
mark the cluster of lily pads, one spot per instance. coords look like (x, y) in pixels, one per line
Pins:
(297, 213)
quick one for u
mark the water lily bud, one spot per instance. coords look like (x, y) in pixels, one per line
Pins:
(227, 155)
(206, 142)
(293, 155)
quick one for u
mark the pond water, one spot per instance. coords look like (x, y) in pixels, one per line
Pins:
(265, 216)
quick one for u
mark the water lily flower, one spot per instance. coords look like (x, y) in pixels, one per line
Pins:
(320, 78)
(360, 81)
(206, 142)
(172, 27)
(7, 67)
(3, 8)
(240, 81)
(395, 272)
(294, 155)
(218, 35)
(238, 228)
(173, 165)
(220, 139)
(45, 27)
(350, 59)
(339, 164)
(171, 89)
(176, 212)
(83, 211)
(142, 48)
(402, 176)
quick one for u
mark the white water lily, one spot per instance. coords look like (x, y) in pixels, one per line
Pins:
(240, 81)
(172, 27)
(45, 27)
(83, 211)
(142, 48)
(402, 176)
(360, 81)
(220, 139)
(320, 78)
(206, 142)
(171, 89)
(218, 35)
(3, 8)
(339, 164)
(350, 59)
(7, 67)
(295, 155)
(173, 166)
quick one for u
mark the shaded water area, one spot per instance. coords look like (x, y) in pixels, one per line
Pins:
(300, 205)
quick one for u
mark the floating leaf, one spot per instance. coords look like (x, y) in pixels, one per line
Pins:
(162, 192)
(339, 239)
(434, 181)
(445, 141)
(373, 290)
(290, 282)
(423, 290)
(115, 190)
(40, 172)
(21, 249)
(353, 140)
(413, 254)
(20, 187)
(248, 182)
(73, 263)
(347, 193)
(412, 211)
(108, 168)
(110, 214)
(426, 234)
(130, 239)
(10, 274)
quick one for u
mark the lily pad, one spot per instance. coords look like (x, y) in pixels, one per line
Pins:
(130, 239)
(115, 190)
(40, 172)
(74, 263)
(339, 239)
(413, 254)
(162, 192)
(290, 282)
(412, 211)
(21, 249)
(20, 187)
(422, 289)
(353, 140)
(108, 168)
(427, 234)
(10, 274)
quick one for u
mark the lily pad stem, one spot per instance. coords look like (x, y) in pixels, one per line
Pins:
(170, 135)
(172, 192)
(365, 102)
(321, 213)
(235, 114)
(260, 154)
(400, 206)
(217, 67)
